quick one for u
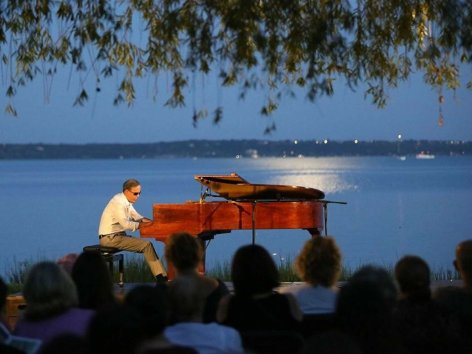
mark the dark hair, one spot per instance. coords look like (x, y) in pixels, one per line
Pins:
(93, 281)
(152, 305)
(3, 293)
(184, 251)
(253, 271)
(130, 183)
(367, 298)
(413, 276)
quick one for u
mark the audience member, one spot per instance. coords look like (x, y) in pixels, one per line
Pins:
(5, 331)
(185, 252)
(187, 300)
(463, 263)
(152, 305)
(319, 266)
(255, 305)
(51, 298)
(93, 281)
(115, 329)
(3, 302)
(423, 325)
(458, 300)
(364, 311)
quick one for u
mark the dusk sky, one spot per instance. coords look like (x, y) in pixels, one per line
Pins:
(412, 111)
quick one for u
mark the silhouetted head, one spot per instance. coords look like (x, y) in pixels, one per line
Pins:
(463, 262)
(48, 290)
(319, 262)
(413, 276)
(253, 271)
(184, 251)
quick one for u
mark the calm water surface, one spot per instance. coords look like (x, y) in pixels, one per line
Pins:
(50, 208)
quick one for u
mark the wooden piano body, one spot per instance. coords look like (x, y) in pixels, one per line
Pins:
(279, 207)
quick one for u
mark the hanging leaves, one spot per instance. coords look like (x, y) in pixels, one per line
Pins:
(270, 45)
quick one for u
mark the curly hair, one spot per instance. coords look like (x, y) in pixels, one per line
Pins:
(319, 262)
(184, 251)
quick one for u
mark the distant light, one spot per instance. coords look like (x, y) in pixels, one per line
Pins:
(325, 141)
(295, 142)
(238, 156)
(399, 136)
(356, 141)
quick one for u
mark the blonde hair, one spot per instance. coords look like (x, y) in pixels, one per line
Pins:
(319, 262)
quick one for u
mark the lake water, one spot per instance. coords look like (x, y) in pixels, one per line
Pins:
(52, 207)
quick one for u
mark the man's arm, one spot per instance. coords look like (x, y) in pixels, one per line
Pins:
(144, 220)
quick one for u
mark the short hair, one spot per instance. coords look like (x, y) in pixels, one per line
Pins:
(319, 261)
(93, 281)
(48, 291)
(253, 271)
(413, 276)
(130, 183)
(152, 304)
(366, 301)
(187, 298)
(184, 251)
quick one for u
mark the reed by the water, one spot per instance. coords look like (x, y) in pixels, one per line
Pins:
(137, 271)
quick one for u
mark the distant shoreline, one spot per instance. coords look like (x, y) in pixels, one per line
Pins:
(235, 149)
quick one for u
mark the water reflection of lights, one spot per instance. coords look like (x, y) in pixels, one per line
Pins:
(328, 183)
(326, 173)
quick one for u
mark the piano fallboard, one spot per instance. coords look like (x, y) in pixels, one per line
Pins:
(199, 218)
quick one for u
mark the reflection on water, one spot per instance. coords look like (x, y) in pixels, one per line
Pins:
(326, 174)
(328, 183)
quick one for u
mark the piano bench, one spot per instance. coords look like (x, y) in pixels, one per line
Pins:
(110, 255)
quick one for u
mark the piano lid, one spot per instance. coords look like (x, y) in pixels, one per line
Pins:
(234, 187)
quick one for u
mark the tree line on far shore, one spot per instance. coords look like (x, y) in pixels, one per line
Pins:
(234, 149)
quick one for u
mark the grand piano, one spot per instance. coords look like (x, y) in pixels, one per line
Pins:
(244, 206)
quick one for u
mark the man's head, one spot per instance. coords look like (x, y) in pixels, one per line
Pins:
(463, 261)
(132, 190)
(413, 276)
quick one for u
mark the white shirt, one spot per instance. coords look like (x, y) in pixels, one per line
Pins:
(119, 215)
(313, 299)
(205, 338)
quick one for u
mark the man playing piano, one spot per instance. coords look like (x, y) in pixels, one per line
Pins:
(120, 216)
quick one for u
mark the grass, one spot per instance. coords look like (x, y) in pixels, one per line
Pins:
(137, 271)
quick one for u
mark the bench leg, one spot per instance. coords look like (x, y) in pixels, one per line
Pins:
(121, 269)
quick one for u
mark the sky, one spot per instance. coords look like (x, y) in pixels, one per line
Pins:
(412, 110)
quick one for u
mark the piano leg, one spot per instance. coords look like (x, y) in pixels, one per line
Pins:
(201, 266)
(314, 232)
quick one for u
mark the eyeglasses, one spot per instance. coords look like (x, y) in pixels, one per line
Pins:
(135, 193)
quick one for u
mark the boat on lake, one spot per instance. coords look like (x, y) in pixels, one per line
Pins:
(425, 155)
